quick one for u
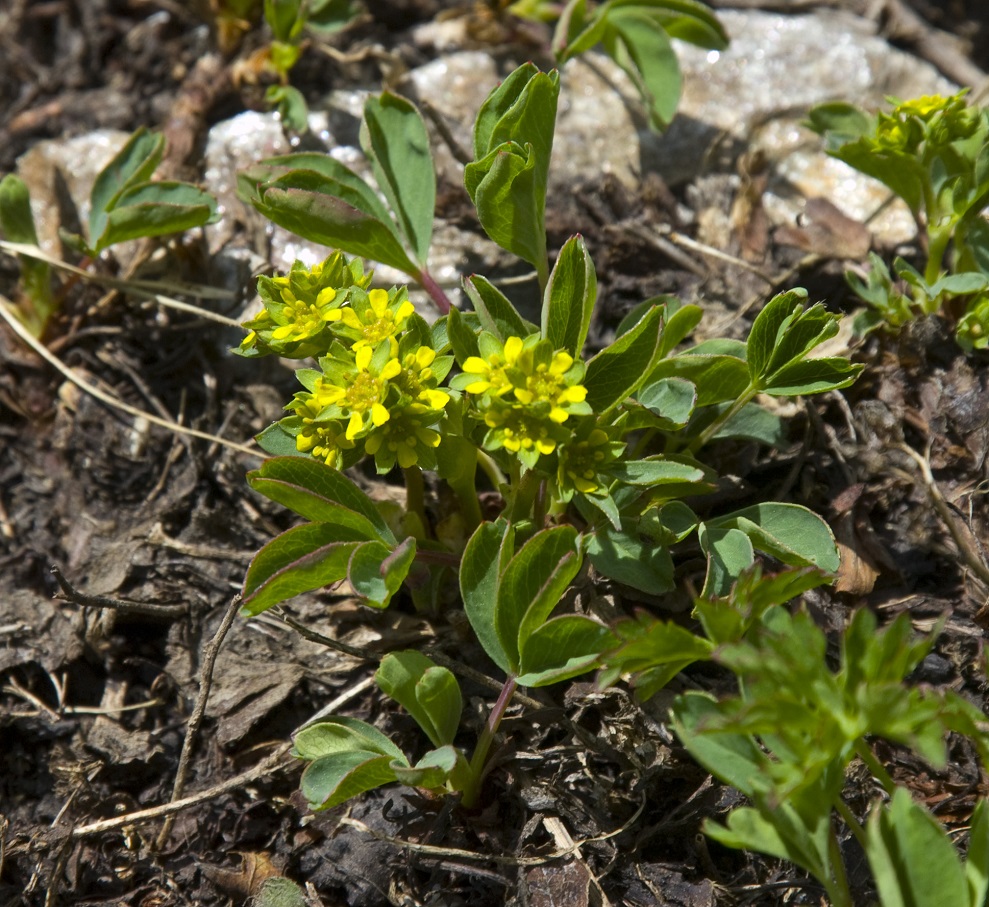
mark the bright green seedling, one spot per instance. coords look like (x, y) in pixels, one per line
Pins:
(933, 152)
(320, 199)
(289, 21)
(125, 204)
(636, 35)
(787, 739)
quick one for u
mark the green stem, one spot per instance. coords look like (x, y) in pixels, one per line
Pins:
(523, 497)
(415, 496)
(470, 506)
(837, 886)
(484, 741)
(864, 752)
(853, 824)
(720, 420)
(937, 245)
(491, 469)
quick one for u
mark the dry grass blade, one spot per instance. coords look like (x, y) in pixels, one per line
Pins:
(7, 313)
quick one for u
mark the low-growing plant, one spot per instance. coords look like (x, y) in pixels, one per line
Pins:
(126, 203)
(591, 458)
(789, 735)
(932, 152)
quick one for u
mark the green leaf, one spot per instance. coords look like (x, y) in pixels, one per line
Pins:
(334, 779)
(671, 399)
(789, 532)
(341, 734)
(619, 370)
(377, 572)
(532, 584)
(813, 376)
(729, 552)
(639, 563)
(326, 219)
(654, 651)
(299, 560)
(648, 58)
(562, 648)
(155, 209)
(843, 122)
(433, 770)
(285, 18)
(569, 298)
(691, 21)
(395, 140)
(655, 471)
(913, 861)
(513, 142)
(429, 693)
(497, 314)
(463, 335)
(717, 378)
(319, 493)
(290, 104)
(328, 16)
(977, 862)
(484, 560)
(17, 224)
(522, 108)
(134, 163)
(504, 186)
(325, 173)
(753, 423)
(735, 759)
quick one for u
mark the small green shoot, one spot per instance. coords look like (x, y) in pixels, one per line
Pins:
(932, 152)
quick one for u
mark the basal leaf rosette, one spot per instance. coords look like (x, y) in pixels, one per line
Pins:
(524, 391)
(300, 307)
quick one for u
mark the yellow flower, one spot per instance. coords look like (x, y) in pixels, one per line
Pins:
(324, 440)
(547, 383)
(300, 320)
(489, 373)
(418, 381)
(360, 390)
(519, 429)
(406, 439)
(582, 460)
(375, 317)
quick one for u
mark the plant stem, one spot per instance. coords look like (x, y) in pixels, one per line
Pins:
(853, 824)
(523, 496)
(837, 886)
(415, 498)
(484, 741)
(864, 752)
(937, 244)
(435, 291)
(491, 469)
(470, 506)
(721, 419)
